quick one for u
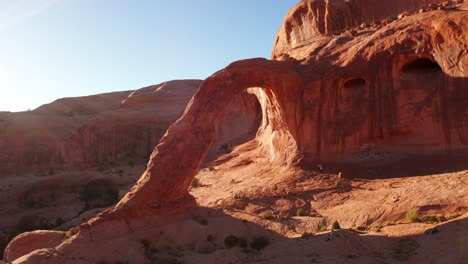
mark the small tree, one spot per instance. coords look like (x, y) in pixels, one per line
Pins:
(336, 225)
(300, 212)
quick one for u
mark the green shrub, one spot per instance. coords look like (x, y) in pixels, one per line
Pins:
(268, 215)
(336, 225)
(195, 183)
(412, 215)
(259, 243)
(300, 212)
(323, 228)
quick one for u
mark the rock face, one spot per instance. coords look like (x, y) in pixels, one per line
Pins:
(105, 129)
(384, 95)
(312, 18)
(376, 95)
(28, 242)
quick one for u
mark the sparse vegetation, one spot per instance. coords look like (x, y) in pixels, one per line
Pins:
(435, 218)
(259, 243)
(412, 215)
(243, 242)
(99, 193)
(452, 215)
(339, 183)
(301, 212)
(323, 228)
(377, 228)
(200, 220)
(231, 241)
(268, 215)
(195, 183)
(361, 228)
(150, 252)
(72, 231)
(336, 225)
(306, 234)
(226, 148)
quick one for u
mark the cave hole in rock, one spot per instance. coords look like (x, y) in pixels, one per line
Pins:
(355, 83)
(421, 66)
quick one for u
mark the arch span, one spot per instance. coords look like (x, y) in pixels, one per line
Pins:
(177, 158)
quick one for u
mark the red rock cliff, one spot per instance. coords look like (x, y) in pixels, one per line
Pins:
(312, 18)
(106, 129)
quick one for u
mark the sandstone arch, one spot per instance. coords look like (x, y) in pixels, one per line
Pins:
(178, 156)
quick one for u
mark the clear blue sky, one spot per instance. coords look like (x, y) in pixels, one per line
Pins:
(51, 49)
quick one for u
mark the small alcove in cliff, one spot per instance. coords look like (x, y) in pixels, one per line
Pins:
(355, 83)
(421, 69)
(353, 88)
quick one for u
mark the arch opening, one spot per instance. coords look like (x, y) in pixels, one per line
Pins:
(239, 123)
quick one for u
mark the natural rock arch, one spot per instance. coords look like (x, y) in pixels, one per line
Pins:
(177, 158)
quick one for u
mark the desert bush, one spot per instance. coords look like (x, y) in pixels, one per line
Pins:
(72, 231)
(243, 242)
(99, 193)
(259, 243)
(300, 212)
(226, 148)
(231, 241)
(200, 220)
(339, 183)
(195, 183)
(306, 234)
(377, 228)
(360, 228)
(452, 215)
(268, 215)
(336, 225)
(323, 228)
(412, 215)
(435, 218)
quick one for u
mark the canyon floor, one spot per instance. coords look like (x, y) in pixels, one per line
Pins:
(252, 213)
